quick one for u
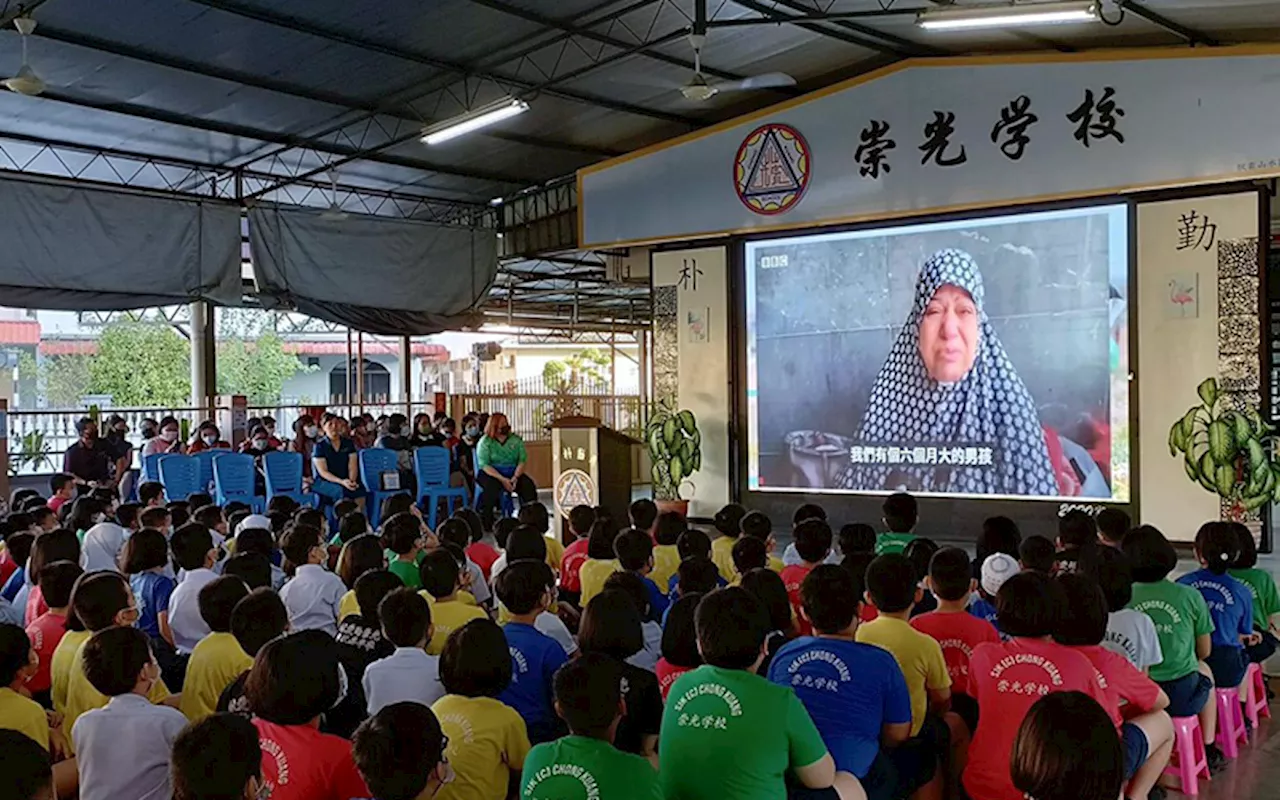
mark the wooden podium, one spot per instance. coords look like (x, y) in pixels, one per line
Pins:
(591, 465)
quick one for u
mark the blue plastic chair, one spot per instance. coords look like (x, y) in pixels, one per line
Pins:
(180, 476)
(506, 505)
(150, 467)
(431, 466)
(205, 459)
(235, 479)
(373, 462)
(283, 473)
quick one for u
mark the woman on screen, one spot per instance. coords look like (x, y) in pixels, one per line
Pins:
(949, 390)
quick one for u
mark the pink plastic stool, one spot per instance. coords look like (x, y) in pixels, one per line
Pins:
(1188, 762)
(1231, 728)
(1258, 706)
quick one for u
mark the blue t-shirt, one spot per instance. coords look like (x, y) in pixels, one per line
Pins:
(336, 459)
(14, 585)
(1230, 605)
(850, 690)
(984, 609)
(672, 597)
(151, 592)
(535, 657)
(658, 601)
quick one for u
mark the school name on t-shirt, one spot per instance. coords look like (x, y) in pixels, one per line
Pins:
(1028, 688)
(708, 721)
(574, 771)
(1151, 605)
(1228, 598)
(1124, 642)
(819, 656)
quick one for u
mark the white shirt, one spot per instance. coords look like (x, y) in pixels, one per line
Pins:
(312, 599)
(122, 749)
(408, 675)
(497, 566)
(551, 625)
(102, 545)
(648, 657)
(479, 588)
(184, 609)
(791, 556)
(1132, 634)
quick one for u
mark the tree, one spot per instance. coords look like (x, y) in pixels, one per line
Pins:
(66, 379)
(251, 357)
(142, 364)
(589, 367)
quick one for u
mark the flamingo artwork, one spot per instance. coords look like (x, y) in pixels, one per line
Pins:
(1183, 299)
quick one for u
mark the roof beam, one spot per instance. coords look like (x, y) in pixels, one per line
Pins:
(1190, 35)
(850, 33)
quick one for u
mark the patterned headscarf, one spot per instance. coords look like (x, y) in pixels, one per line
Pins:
(988, 408)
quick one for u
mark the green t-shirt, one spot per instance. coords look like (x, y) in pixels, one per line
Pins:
(491, 453)
(893, 543)
(1266, 599)
(406, 571)
(578, 767)
(1180, 615)
(716, 717)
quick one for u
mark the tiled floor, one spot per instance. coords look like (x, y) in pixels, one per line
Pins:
(1255, 775)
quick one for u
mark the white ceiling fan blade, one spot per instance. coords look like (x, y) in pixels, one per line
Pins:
(769, 80)
(25, 82)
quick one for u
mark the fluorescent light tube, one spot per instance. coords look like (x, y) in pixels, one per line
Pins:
(474, 120)
(953, 18)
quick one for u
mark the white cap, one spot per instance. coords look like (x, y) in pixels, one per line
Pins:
(997, 569)
(253, 521)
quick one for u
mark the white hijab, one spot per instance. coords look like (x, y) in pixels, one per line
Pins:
(101, 548)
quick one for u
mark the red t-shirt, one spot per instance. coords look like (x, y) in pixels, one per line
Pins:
(7, 566)
(792, 577)
(667, 675)
(56, 503)
(483, 556)
(868, 612)
(1121, 681)
(301, 763)
(35, 605)
(45, 633)
(959, 635)
(570, 565)
(1007, 679)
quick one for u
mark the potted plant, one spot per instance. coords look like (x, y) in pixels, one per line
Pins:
(1228, 452)
(675, 449)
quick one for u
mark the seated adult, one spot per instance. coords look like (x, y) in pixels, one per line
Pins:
(305, 433)
(423, 433)
(90, 459)
(167, 441)
(501, 457)
(258, 445)
(335, 465)
(121, 452)
(269, 422)
(208, 437)
(394, 439)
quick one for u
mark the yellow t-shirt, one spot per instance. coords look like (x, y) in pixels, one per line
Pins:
(775, 563)
(215, 664)
(24, 715)
(487, 740)
(919, 656)
(666, 560)
(82, 697)
(348, 606)
(722, 555)
(63, 659)
(593, 574)
(464, 597)
(555, 551)
(447, 617)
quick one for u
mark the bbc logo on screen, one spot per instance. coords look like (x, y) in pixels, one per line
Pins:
(773, 262)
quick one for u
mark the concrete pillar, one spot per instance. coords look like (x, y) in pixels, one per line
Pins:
(406, 373)
(204, 368)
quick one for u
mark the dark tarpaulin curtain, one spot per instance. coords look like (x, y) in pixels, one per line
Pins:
(75, 248)
(383, 276)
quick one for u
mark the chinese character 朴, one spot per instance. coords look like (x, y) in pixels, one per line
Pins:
(689, 273)
(1097, 120)
(1194, 229)
(870, 155)
(1015, 118)
(938, 139)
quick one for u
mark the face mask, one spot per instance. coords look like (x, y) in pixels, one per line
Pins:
(259, 444)
(210, 440)
(271, 430)
(472, 430)
(99, 517)
(505, 430)
(169, 436)
(424, 428)
(311, 431)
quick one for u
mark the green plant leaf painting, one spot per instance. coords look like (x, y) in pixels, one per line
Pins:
(1208, 391)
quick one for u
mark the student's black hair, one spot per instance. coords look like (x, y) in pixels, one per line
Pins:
(950, 574)
(191, 545)
(154, 517)
(581, 518)
(59, 481)
(1113, 524)
(671, 525)
(1247, 556)
(215, 758)
(643, 514)
(396, 750)
(41, 513)
(401, 533)
(1037, 553)
(1067, 748)
(901, 512)
(179, 513)
(757, 525)
(732, 626)
(475, 661)
(352, 524)
(728, 520)
(19, 520)
(525, 543)
(370, 590)
(998, 535)
(281, 504)
(252, 568)
(405, 616)
(56, 545)
(611, 625)
(604, 515)
(919, 552)
(693, 543)
(149, 492)
(1115, 578)
(679, 635)
(1076, 527)
(259, 617)
(83, 510)
(113, 657)
(198, 500)
(830, 598)
(1218, 545)
(813, 539)
(144, 550)
(1030, 605)
(697, 574)
(749, 553)
(1083, 619)
(454, 531)
(634, 549)
(26, 766)
(298, 543)
(344, 507)
(15, 653)
(396, 504)
(632, 585)
(255, 540)
(19, 546)
(808, 511)
(856, 537)
(521, 586)
(767, 588)
(600, 543)
(210, 516)
(127, 515)
(502, 530)
(294, 678)
(236, 507)
(234, 520)
(57, 580)
(439, 573)
(459, 555)
(360, 555)
(1151, 557)
(473, 521)
(535, 515)
(588, 692)
(218, 598)
(891, 581)
(97, 597)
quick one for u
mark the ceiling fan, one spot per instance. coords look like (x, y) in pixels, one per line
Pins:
(699, 89)
(26, 81)
(334, 212)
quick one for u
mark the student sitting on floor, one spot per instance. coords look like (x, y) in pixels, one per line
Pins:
(526, 545)
(1036, 553)
(757, 525)
(748, 553)
(651, 632)
(666, 554)
(360, 555)
(634, 551)
(679, 643)
(17, 711)
(219, 758)
(402, 537)
(728, 523)
(218, 660)
(313, 595)
(900, 513)
(523, 590)
(1262, 587)
(400, 753)
(694, 543)
(46, 632)
(1066, 749)
(601, 561)
(408, 674)
(813, 545)
(766, 586)
(258, 618)
(535, 516)
(998, 568)
(1130, 633)
(581, 518)
(807, 511)
(611, 626)
(193, 550)
(1113, 524)
(440, 578)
